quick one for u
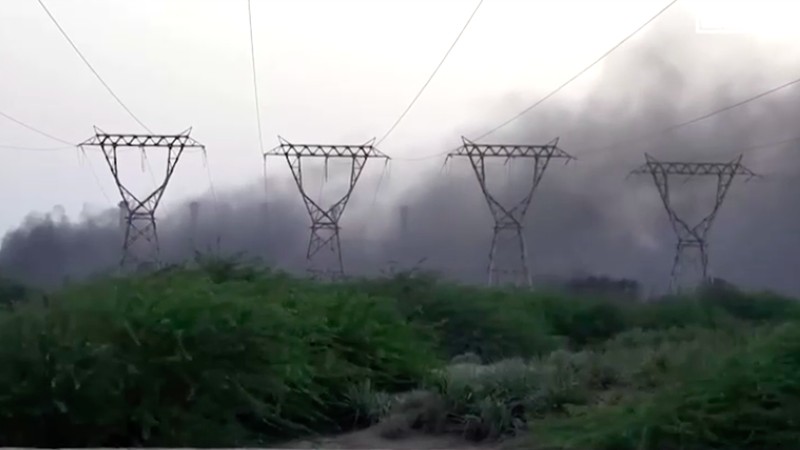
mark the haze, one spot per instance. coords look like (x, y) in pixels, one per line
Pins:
(342, 71)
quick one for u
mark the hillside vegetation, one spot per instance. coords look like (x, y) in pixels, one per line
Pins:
(239, 356)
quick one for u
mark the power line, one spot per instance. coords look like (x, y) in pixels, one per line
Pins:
(676, 126)
(255, 78)
(755, 146)
(384, 173)
(108, 88)
(96, 74)
(94, 175)
(729, 107)
(217, 208)
(433, 74)
(211, 185)
(34, 149)
(574, 77)
(696, 119)
(36, 130)
(146, 161)
(771, 144)
(559, 88)
(423, 157)
(63, 141)
(212, 189)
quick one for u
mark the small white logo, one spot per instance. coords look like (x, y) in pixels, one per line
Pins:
(758, 17)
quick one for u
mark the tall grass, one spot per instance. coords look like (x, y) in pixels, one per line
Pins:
(505, 323)
(232, 355)
(180, 360)
(745, 398)
(12, 292)
(503, 398)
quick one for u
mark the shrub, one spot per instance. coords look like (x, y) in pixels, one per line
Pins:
(761, 307)
(504, 323)
(492, 323)
(180, 360)
(487, 401)
(12, 292)
(745, 400)
(585, 321)
(229, 355)
(491, 401)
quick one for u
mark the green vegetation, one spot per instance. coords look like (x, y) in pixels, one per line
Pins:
(236, 356)
(12, 292)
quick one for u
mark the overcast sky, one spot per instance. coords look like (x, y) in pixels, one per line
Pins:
(340, 71)
(328, 71)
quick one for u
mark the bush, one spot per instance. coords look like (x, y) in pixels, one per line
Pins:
(648, 359)
(492, 323)
(762, 307)
(12, 292)
(504, 323)
(180, 360)
(585, 321)
(492, 401)
(486, 401)
(230, 355)
(745, 400)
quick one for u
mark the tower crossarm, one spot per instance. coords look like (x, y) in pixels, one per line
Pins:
(471, 149)
(287, 149)
(693, 168)
(101, 139)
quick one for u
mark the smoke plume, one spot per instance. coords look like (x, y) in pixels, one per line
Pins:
(585, 218)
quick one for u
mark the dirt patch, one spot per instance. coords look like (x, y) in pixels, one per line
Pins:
(371, 439)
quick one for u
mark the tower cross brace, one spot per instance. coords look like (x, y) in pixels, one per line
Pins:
(325, 219)
(509, 219)
(140, 221)
(691, 237)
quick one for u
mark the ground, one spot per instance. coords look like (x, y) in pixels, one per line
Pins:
(371, 438)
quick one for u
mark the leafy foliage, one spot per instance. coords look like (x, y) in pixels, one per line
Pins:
(182, 360)
(12, 292)
(493, 324)
(228, 354)
(743, 399)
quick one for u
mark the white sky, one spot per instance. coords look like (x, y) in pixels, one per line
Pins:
(333, 71)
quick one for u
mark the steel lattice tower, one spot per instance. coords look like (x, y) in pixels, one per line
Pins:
(509, 221)
(140, 246)
(691, 238)
(325, 219)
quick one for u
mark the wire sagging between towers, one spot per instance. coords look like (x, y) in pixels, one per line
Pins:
(433, 74)
(556, 90)
(91, 68)
(255, 77)
(410, 105)
(577, 75)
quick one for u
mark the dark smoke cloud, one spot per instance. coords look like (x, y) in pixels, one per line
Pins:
(586, 217)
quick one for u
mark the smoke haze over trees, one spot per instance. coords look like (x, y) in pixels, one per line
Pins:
(586, 217)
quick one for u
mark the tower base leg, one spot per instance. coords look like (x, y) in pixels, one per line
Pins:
(689, 268)
(140, 248)
(324, 257)
(508, 260)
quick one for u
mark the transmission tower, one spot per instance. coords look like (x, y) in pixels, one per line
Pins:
(140, 248)
(325, 219)
(692, 240)
(508, 221)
